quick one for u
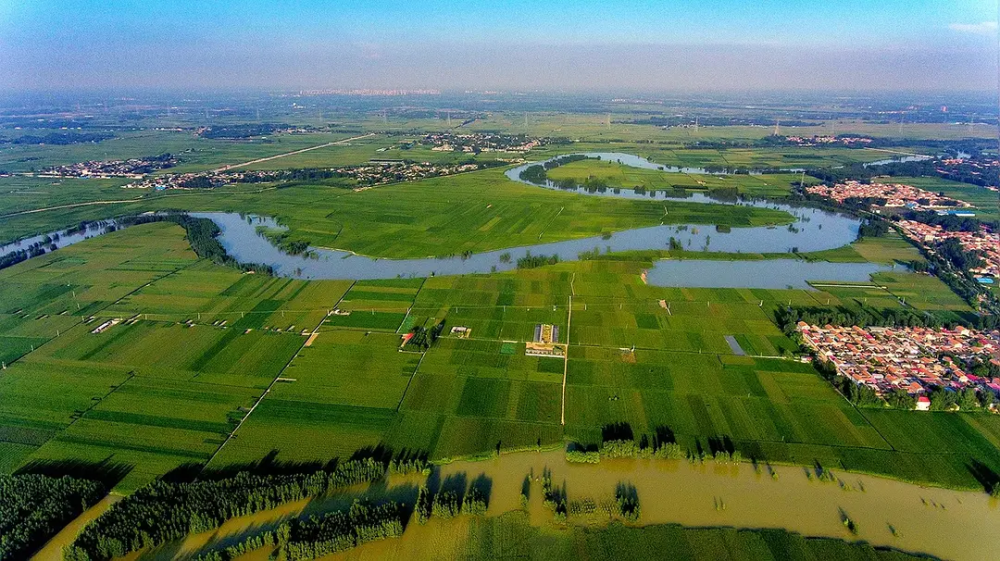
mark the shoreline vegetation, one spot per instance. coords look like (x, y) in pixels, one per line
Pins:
(491, 378)
(165, 512)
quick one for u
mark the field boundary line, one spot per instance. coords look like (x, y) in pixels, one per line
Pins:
(72, 205)
(569, 321)
(410, 381)
(274, 382)
(108, 306)
(292, 153)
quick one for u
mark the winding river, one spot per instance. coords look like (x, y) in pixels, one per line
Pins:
(812, 230)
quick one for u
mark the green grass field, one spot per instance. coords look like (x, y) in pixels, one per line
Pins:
(615, 175)
(198, 345)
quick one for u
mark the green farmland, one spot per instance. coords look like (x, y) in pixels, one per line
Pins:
(198, 345)
(128, 354)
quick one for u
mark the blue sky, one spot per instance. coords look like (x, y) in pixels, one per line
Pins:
(88, 43)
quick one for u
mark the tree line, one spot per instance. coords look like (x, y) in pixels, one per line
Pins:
(861, 316)
(164, 511)
(537, 173)
(530, 261)
(33, 508)
(202, 234)
(301, 540)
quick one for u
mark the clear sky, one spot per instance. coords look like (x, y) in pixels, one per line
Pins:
(548, 44)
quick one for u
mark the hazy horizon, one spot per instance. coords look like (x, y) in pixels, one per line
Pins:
(935, 45)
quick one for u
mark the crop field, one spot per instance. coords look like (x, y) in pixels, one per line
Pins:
(202, 363)
(594, 127)
(615, 175)
(338, 395)
(196, 153)
(892, 248)
(987, 202)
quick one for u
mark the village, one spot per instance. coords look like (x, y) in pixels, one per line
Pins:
(472, 143)
(376, 172)
(984, 243)
(915, 360)
(480, 142)
(894, 195)
(827, 140)
(132, 168)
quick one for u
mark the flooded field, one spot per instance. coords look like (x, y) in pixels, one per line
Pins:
(52, 551)
(940, 522)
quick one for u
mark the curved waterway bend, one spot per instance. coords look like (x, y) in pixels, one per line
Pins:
(813, 230)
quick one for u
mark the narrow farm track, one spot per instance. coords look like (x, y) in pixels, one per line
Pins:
(286, 154)
(569, 320)
(277, 378)
(116, 302)
(221, 169)
(74, 205)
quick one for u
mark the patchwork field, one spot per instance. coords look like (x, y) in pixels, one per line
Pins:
(127, 350)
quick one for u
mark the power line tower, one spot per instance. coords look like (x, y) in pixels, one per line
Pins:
(777, 127)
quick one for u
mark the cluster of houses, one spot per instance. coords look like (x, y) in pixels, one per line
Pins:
(982, 242)
(828, 140)
(912, 359)
(376, 172)
(978, 171)
(132, 168)
(895, 195)
(474, 143)
(380, 172)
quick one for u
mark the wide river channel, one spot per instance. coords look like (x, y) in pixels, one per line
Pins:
(812, 230)
(945, 523)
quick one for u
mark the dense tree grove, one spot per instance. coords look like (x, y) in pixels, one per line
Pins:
(861, 316)
(242, 130)
(202, 234)
(57, 138)
(33, 508)
(873, 228)
(163, 511)
(340, 531)
(425, 504)
(316, 537)
(410, 465)
(947, 222)
(447, 504)
(554, 498)
(626, 503)
(15, 257)
(530, 261)
(537, 173)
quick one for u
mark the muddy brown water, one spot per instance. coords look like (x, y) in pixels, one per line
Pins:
(945, 523)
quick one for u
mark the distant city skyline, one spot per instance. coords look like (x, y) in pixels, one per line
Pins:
(944, 45)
